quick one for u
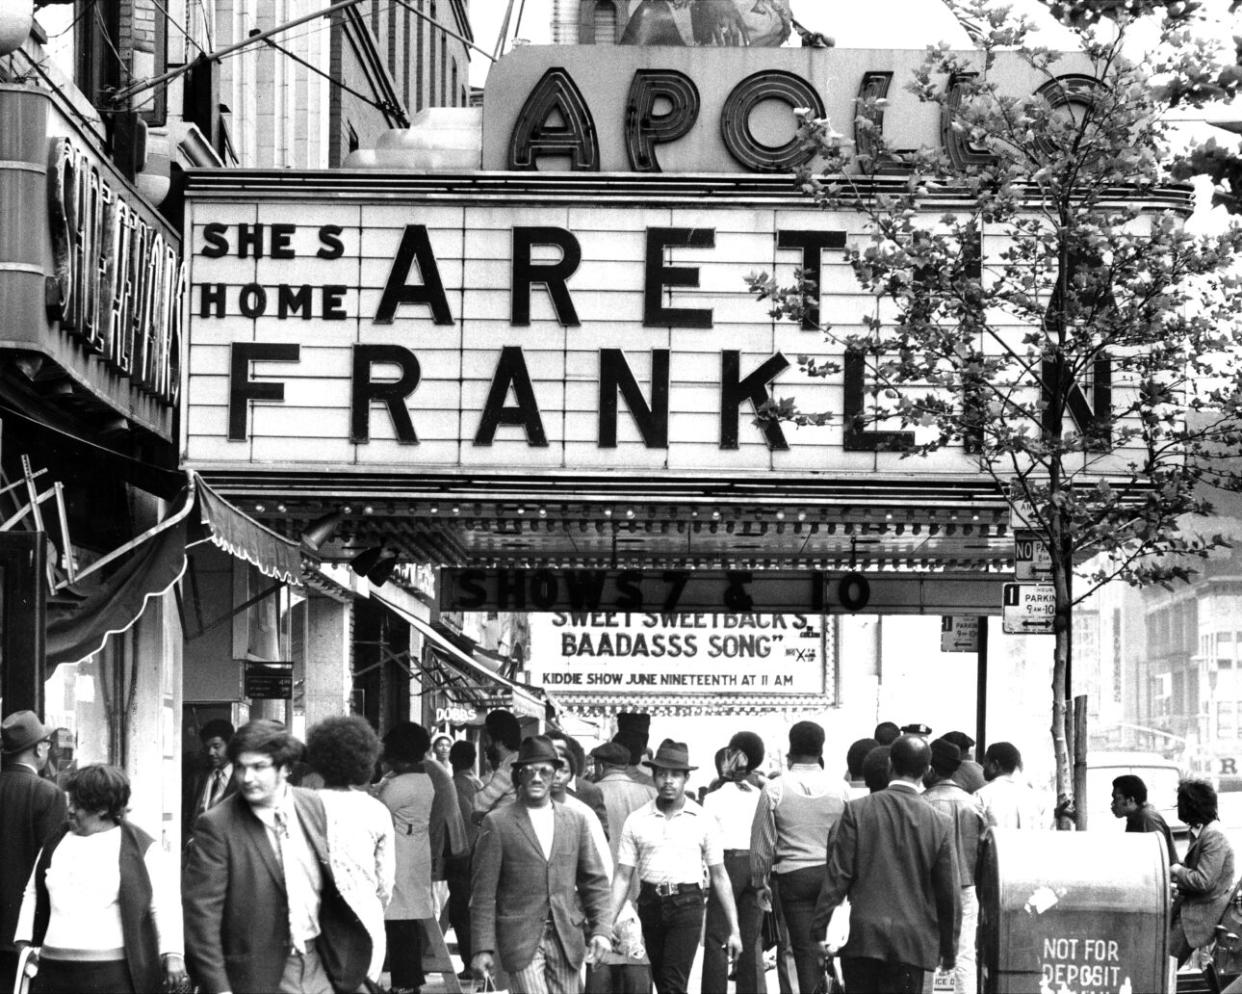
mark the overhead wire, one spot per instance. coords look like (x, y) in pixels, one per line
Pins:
(176, 24)
(381, 105)
(440, 27)
(107, 37)
(206, 22)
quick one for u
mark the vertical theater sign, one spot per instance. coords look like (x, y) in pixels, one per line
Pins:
(553, 361)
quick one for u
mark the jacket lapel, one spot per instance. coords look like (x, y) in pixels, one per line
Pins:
(258, 839)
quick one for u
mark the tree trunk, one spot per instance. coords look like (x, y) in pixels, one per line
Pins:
(1080, 762)
(1062, 565)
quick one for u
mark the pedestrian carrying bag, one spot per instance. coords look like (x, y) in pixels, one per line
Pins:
(27, 967)
(489, 985)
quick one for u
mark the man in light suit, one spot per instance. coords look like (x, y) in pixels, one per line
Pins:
(894, 856)
(530, 859)
(262, 912)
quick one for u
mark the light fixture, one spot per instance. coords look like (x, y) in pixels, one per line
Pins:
(321, 530)
(16, 20)
(376, 564)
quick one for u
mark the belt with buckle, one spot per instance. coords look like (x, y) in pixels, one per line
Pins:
(670, 889)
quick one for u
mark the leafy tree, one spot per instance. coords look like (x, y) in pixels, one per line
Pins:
(1058, 323)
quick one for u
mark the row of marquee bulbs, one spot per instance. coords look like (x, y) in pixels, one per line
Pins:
(322, 529)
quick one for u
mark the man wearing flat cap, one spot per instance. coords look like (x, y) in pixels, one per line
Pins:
(531, 860)
(970, 825)
(31, 809)
(666, 843)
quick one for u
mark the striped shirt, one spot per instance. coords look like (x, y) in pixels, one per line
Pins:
(670, 849)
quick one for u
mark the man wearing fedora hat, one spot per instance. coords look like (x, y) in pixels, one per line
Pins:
(531, 859)
(31, 809)
(666, 843)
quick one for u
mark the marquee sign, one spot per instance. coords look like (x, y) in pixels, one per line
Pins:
(562, 323)
(407, 333)
(665, 654)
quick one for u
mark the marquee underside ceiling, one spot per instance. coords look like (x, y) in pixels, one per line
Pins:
(909, 524)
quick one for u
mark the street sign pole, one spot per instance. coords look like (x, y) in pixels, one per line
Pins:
(981, 688)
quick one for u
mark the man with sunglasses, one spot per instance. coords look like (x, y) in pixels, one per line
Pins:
(530, 859)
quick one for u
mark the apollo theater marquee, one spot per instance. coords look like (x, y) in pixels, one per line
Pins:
(541, 373)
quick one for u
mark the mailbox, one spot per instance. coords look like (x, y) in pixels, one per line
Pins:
(1074, 911)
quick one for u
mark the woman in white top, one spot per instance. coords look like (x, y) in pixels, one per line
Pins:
(344, 752)
(103, 905)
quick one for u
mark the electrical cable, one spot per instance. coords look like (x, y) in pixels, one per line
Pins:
(103, 33)
(86, 9)
(168, 17)
(206, 26)
(86, 123)
(440, 27)
(382, 106)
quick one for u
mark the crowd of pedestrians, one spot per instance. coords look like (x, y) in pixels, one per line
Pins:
(314, 869)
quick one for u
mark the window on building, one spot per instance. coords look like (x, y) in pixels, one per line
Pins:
(418, 58)
(431, 58)
(454, 78)
(605, 23)
(407, 64)
(443, 70)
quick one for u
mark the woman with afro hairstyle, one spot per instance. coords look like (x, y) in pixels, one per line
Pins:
(344, 751)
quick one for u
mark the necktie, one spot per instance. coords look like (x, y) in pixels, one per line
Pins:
(217, 788)
(281, 832)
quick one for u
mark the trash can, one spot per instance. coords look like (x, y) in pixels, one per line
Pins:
(1074, 911)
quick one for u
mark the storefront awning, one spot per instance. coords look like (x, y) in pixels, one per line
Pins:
(153, 562)
(115, 604)
(464, 676)
(243, 537)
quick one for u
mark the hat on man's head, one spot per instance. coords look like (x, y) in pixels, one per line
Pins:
(632, 731)
(537, 749)
(918, 728)
(945, 757)
(612, 753)
(21, 730)
(671, 756)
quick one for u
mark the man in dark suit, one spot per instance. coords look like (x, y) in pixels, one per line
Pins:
(262, 912)
(893, 855)
(214, 780)
(31, 809)
(530, 860)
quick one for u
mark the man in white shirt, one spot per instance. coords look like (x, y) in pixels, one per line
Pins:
(732, 803)
(1009, 801)
(667, 842)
